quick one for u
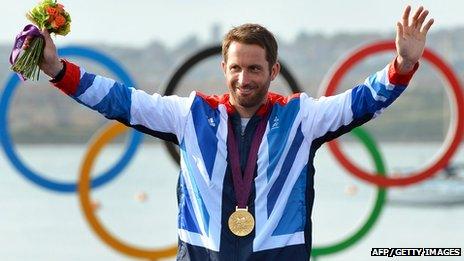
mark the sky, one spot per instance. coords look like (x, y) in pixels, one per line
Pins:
(138, 22)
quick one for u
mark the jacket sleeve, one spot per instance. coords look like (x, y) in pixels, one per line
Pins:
(160, 116)
(327, 118)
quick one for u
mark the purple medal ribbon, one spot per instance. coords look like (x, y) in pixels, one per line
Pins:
(29, 31)
(242, 183)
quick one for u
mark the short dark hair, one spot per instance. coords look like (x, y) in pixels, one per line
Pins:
(252, 34)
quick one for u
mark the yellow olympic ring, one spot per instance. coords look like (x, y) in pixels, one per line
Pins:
(103, 137)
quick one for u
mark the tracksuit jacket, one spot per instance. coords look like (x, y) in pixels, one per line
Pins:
(282, 193)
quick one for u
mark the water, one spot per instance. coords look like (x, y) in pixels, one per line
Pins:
(36, 224)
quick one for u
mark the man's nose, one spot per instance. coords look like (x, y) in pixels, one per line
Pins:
(243, 78)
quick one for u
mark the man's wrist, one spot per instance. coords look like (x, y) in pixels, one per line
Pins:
(396, 77)
(60, 74)
(54, 69)
(404, 66)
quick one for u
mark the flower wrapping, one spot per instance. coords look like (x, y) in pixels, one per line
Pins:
(47, 15)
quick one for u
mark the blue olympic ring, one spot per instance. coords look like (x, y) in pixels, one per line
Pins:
(135, 140)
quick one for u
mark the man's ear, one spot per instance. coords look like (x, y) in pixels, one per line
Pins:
(224, 66)
(275, 70)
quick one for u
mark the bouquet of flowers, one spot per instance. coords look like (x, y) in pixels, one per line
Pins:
(47, 15)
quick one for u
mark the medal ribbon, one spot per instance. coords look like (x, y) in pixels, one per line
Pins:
(242, 183)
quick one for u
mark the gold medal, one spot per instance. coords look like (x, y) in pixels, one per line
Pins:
(241, 222)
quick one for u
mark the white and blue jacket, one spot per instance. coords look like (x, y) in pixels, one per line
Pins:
(282, 192)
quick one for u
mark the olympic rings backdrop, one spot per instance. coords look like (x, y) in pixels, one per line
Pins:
(28, 172)
(379, 178)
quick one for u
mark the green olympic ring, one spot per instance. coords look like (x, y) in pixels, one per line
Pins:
(371, 147)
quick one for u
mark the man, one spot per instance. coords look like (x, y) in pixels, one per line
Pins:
(246, 183)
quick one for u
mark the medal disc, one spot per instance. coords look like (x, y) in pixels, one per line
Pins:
(241, 222)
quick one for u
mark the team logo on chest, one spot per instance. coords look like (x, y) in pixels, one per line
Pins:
(211, 122)
(275, 123)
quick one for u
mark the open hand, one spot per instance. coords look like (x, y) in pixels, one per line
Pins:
(410, 38)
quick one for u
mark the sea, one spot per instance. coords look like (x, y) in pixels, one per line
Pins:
(139, 206)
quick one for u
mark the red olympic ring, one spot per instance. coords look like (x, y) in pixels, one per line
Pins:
(453, 137)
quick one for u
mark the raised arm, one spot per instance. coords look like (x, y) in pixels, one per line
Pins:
(330, 117)
(159, 116)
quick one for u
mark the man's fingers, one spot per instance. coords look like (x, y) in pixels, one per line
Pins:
(406, 12)
(27, 43)
(427, 27)
(399, 31)
(47, 37)
(421, 18)
(417, 15)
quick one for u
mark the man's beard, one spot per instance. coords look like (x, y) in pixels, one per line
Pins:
(252, 100)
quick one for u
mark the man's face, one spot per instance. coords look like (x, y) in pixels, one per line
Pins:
(247, 74)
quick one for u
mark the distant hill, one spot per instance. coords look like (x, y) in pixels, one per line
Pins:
(40, 114)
